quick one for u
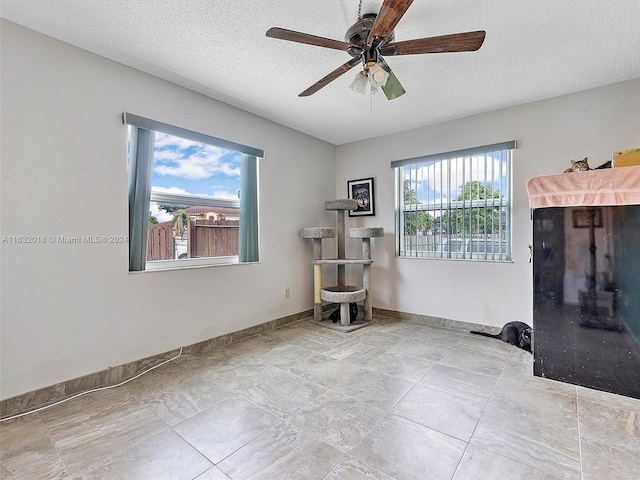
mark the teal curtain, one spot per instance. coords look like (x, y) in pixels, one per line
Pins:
(140, 162)
(248, 209)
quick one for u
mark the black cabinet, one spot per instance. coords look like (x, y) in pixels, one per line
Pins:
(586, 298)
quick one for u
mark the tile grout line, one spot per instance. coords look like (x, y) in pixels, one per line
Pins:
(53, 444)
(482, 413)
(337, 463)
(387, 412)
(467, 443)
(514, 351)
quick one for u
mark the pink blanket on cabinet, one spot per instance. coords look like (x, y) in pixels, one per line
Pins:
(612, 186)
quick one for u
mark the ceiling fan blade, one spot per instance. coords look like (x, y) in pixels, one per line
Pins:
(390, 14)
(457, 42)
(331, 77)
(392, 88)
(292, 36)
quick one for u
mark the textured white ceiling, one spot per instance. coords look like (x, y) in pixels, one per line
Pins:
(534, 49)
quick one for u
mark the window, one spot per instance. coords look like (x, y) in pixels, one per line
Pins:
(193, 198)
(455, 205)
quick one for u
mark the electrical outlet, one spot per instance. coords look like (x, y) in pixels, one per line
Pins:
(286, 293)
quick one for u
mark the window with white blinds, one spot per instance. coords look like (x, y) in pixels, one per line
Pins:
(455, 205)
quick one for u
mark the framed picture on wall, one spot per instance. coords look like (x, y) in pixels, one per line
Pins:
(362, 192)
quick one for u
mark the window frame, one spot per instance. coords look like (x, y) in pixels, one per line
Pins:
(140, 192)
(445, 204)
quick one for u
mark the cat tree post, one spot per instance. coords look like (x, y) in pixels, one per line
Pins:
(340, 206)
(366, 234)
(317, 234)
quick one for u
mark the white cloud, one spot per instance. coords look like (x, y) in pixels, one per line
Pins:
(182, 191)
(178, 190)
(191, 160)
(226, 195)
(160, 215)
(441, 180)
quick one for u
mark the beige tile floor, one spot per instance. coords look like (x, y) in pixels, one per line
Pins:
(394, 400)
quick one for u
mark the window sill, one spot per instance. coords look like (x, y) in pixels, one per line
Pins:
(457, 259)
(190, 264)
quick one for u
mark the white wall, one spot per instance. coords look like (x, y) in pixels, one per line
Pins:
(549, 134)
(70, 310)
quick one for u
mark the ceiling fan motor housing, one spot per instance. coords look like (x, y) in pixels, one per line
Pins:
(358, 33)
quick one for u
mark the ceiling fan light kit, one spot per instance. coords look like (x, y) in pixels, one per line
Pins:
(373, 75)
(360, 82)
(392, 88)
(377, 76)
(371, 37)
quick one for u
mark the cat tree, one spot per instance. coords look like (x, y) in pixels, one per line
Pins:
(342, 294)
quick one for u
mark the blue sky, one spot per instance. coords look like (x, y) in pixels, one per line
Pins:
(434, 181)
(183, 166)
(187, 167)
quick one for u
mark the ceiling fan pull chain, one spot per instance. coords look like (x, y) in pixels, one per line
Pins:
(360, 11)
(370, 100)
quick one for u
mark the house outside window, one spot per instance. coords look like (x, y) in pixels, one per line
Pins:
(455, 205)
(193, 198)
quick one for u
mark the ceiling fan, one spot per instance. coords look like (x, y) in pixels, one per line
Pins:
(370, 39)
